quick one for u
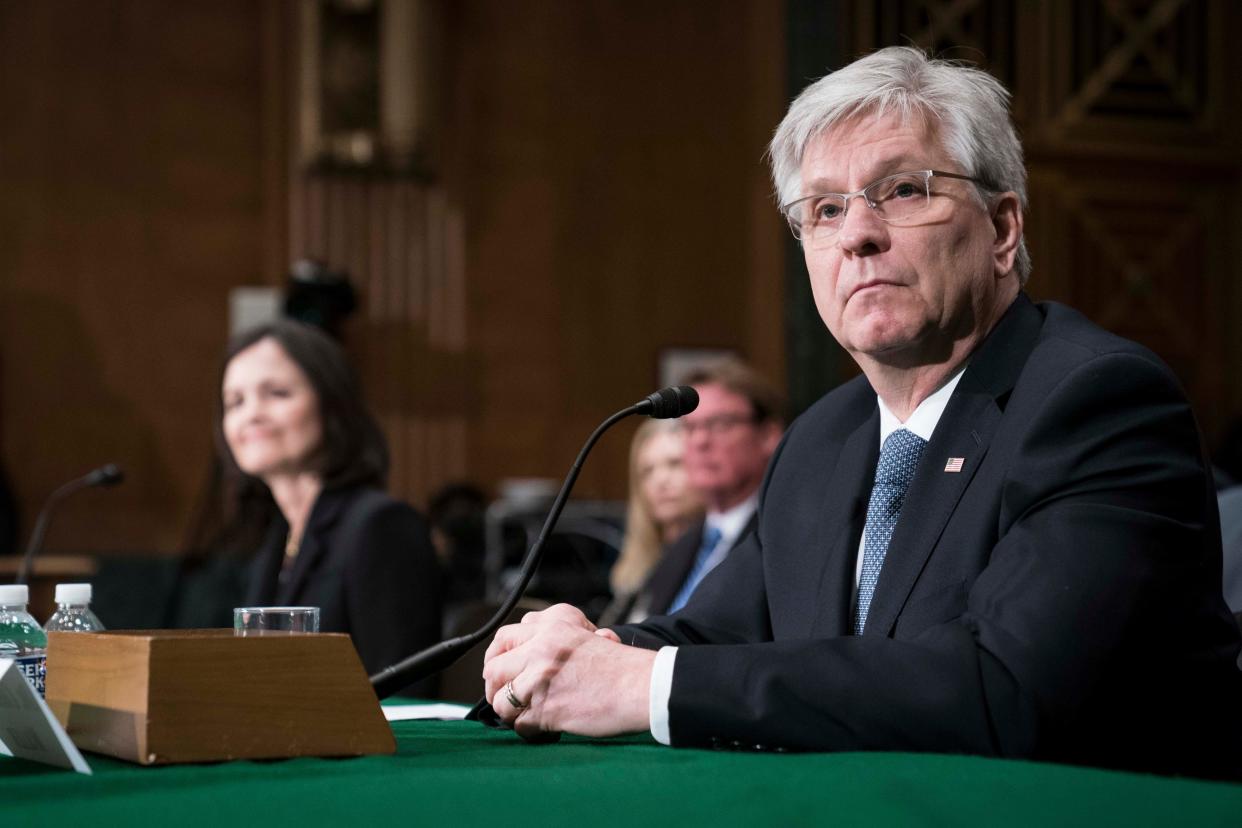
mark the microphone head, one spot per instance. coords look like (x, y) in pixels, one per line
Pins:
(674, 401)
(108, 475)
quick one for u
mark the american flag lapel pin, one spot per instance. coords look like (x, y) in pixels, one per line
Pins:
(954, 464)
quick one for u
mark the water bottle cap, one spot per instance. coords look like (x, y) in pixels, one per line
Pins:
(73, 593)
(11, 594)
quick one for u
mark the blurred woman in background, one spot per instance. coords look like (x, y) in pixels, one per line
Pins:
(306, 464)
(661, 507)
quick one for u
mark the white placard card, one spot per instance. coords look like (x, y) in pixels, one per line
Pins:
(28, 730)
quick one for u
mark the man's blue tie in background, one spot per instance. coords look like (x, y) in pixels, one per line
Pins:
(711, 539)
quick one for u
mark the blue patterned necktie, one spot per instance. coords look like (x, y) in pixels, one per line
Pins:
(898, 458)
(711, 539)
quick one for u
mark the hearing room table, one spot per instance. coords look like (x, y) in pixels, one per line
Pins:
(455, 773)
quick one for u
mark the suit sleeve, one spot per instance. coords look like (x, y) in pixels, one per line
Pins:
(1102, 539)
(393, 589)
(728, 606)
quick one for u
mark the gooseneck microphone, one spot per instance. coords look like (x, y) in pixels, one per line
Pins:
(669, 403)
(666, 403)
(108, 475)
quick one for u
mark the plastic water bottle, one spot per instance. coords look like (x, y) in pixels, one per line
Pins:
(21, 637)
(73, 610)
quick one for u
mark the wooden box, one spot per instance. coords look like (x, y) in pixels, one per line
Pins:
(168, 696)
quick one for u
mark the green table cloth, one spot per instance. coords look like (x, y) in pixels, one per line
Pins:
(454, 773)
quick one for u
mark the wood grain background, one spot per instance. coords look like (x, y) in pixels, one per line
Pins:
(599, 196)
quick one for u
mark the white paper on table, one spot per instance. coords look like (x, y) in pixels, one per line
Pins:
(28, 730)
(444, 712)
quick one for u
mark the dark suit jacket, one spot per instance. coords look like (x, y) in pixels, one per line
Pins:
(366, 561)
(666, 580)
(1058, 599)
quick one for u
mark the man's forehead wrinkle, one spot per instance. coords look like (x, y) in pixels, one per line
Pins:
(863, 162)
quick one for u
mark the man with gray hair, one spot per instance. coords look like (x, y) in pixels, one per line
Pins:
(999, 540)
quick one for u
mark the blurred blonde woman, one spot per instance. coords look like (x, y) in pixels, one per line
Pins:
(662, 506)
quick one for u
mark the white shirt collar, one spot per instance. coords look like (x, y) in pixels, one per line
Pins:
(732, 521)
(924, 419)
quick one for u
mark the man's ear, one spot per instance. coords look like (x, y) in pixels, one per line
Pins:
(1007, 223)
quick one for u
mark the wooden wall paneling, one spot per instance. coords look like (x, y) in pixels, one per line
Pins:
(983, 32)
(1144, 74)
(384, 231)
(278, 75)
(454, 378)
(765, 294)
(817, 41)
(133, 139)
(385, 206)
(387, 230)
(572, 232)
(360, 222)
(611, 172)
(602, 200)
(1139, 257)
(407, 300)
(1132, 135)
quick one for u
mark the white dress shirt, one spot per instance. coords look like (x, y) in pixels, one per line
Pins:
(730, 524)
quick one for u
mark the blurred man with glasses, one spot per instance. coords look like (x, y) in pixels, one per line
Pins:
(1001, 539)
(729, 439)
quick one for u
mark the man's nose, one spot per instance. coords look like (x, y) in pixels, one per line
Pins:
(862, 232)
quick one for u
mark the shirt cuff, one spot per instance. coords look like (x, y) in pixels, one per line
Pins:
(661, 689)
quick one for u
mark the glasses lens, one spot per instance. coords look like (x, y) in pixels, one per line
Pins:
(816, 217)
(715, 425)
(899, 196)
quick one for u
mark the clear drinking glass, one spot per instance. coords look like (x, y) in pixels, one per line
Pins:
(267, 620)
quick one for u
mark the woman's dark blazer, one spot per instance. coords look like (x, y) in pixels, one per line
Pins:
(367, 562)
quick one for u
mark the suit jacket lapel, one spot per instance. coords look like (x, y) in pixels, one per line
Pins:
(965, 431)
(314, 545)
(672, 570)
(845, 505)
